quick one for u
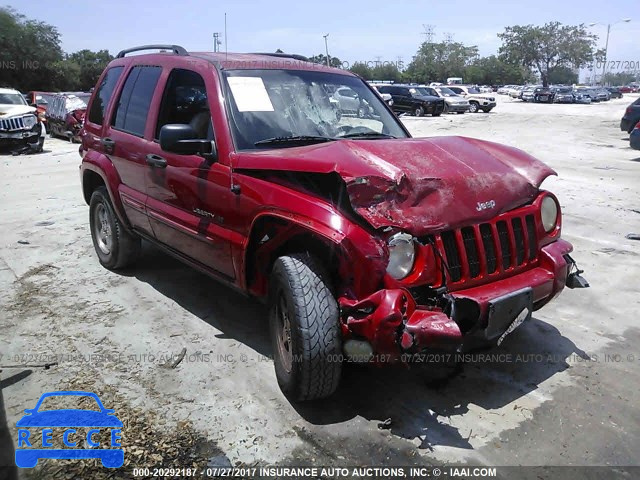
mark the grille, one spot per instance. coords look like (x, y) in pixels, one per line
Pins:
(11, 124)
(473, 251)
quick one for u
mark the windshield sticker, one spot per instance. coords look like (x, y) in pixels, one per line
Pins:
(250, 94)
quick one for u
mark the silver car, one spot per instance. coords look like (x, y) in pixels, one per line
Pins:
(453, 101)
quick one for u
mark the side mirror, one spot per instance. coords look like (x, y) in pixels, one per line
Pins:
(182, 139)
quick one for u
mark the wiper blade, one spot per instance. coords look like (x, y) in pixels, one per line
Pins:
(366, 135)
(294, 140)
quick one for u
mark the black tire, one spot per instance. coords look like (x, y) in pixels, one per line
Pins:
(460, 113)
(487, 110)
(115, 246)
(418, 112)
(436, 114)
(307, 355)
(473, 107)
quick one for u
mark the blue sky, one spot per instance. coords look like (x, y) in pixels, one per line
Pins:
(358, 30)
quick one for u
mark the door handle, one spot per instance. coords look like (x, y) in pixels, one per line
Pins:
(156, 161)
(108, 144)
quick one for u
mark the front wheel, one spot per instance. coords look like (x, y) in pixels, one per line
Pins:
(114, 245)
(487, 110)
(473, 107)
(419, 112)
(305, 333)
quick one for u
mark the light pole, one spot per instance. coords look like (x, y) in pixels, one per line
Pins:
(606, 45)
(326, 48)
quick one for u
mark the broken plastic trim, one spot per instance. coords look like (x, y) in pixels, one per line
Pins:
(574, 278)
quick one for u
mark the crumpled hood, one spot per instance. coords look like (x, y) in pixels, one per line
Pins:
(419, 185)
(7, 111)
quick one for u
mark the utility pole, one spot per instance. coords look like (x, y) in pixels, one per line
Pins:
(216, 42)
(606, 45)
(428, 32)
(326, 48)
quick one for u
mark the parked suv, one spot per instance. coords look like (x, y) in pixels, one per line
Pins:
(20, 128)
(410, 99)
(366, 245)
(477, 100)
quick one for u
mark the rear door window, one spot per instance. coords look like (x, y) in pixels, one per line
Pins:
(133, 106)
(103, 95)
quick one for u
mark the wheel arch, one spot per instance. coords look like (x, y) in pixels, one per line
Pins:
(274, 235)
(98, 172)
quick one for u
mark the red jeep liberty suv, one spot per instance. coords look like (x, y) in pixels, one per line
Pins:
(368, 245)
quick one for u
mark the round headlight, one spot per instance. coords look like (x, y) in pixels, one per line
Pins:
(549, 213)
(402, 255)
(29, 121)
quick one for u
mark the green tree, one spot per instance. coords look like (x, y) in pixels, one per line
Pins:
(322, 59)
(492, 70)
(360, 68)
(435, 62)
(386, 71)
(564, 75)
(91, 65)
(547, 47)
(620, 78)
(29, 50)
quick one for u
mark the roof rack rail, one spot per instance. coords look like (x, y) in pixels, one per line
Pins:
(294, 56)
(177, 49)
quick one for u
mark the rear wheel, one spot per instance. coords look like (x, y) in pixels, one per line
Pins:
(419, 112)
(473, 107)
(114, 245)
(305, 333)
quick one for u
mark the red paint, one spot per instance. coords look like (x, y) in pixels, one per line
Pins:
(434, 188)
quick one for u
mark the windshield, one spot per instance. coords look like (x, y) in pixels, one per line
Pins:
(277, 104)
(12, 99)
(422, 91)
(447, 92)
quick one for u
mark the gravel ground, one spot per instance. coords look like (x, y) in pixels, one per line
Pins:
(570, 398)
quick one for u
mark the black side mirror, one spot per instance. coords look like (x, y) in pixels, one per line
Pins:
(182, 139)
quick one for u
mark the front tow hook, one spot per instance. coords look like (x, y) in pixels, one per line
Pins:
(574, 279)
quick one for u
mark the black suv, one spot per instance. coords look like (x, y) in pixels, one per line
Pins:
(409, 99)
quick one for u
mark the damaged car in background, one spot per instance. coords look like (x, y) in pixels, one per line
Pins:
(366, 244)
(65, 115)
(21, 130)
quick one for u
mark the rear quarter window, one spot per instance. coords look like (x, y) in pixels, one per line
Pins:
(103, 95)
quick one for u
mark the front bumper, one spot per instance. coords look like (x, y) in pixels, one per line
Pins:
(458, 107)
(394, 325)
(22, 136)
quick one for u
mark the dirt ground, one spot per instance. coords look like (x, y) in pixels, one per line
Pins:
(570, 397)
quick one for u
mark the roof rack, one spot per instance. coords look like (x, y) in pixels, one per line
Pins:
(177, 49)
(294, 56)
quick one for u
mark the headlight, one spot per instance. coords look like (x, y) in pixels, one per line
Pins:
(402, 255)
(29, 121)
(549, 213)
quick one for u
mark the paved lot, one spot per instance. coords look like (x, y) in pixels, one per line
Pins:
(570, 398)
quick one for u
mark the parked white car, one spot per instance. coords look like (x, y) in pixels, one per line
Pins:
(477, 100)
(20, 128)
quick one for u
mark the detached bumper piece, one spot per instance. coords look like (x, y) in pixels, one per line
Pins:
(574, 277)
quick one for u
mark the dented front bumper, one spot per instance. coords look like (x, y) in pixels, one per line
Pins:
(394, 324)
